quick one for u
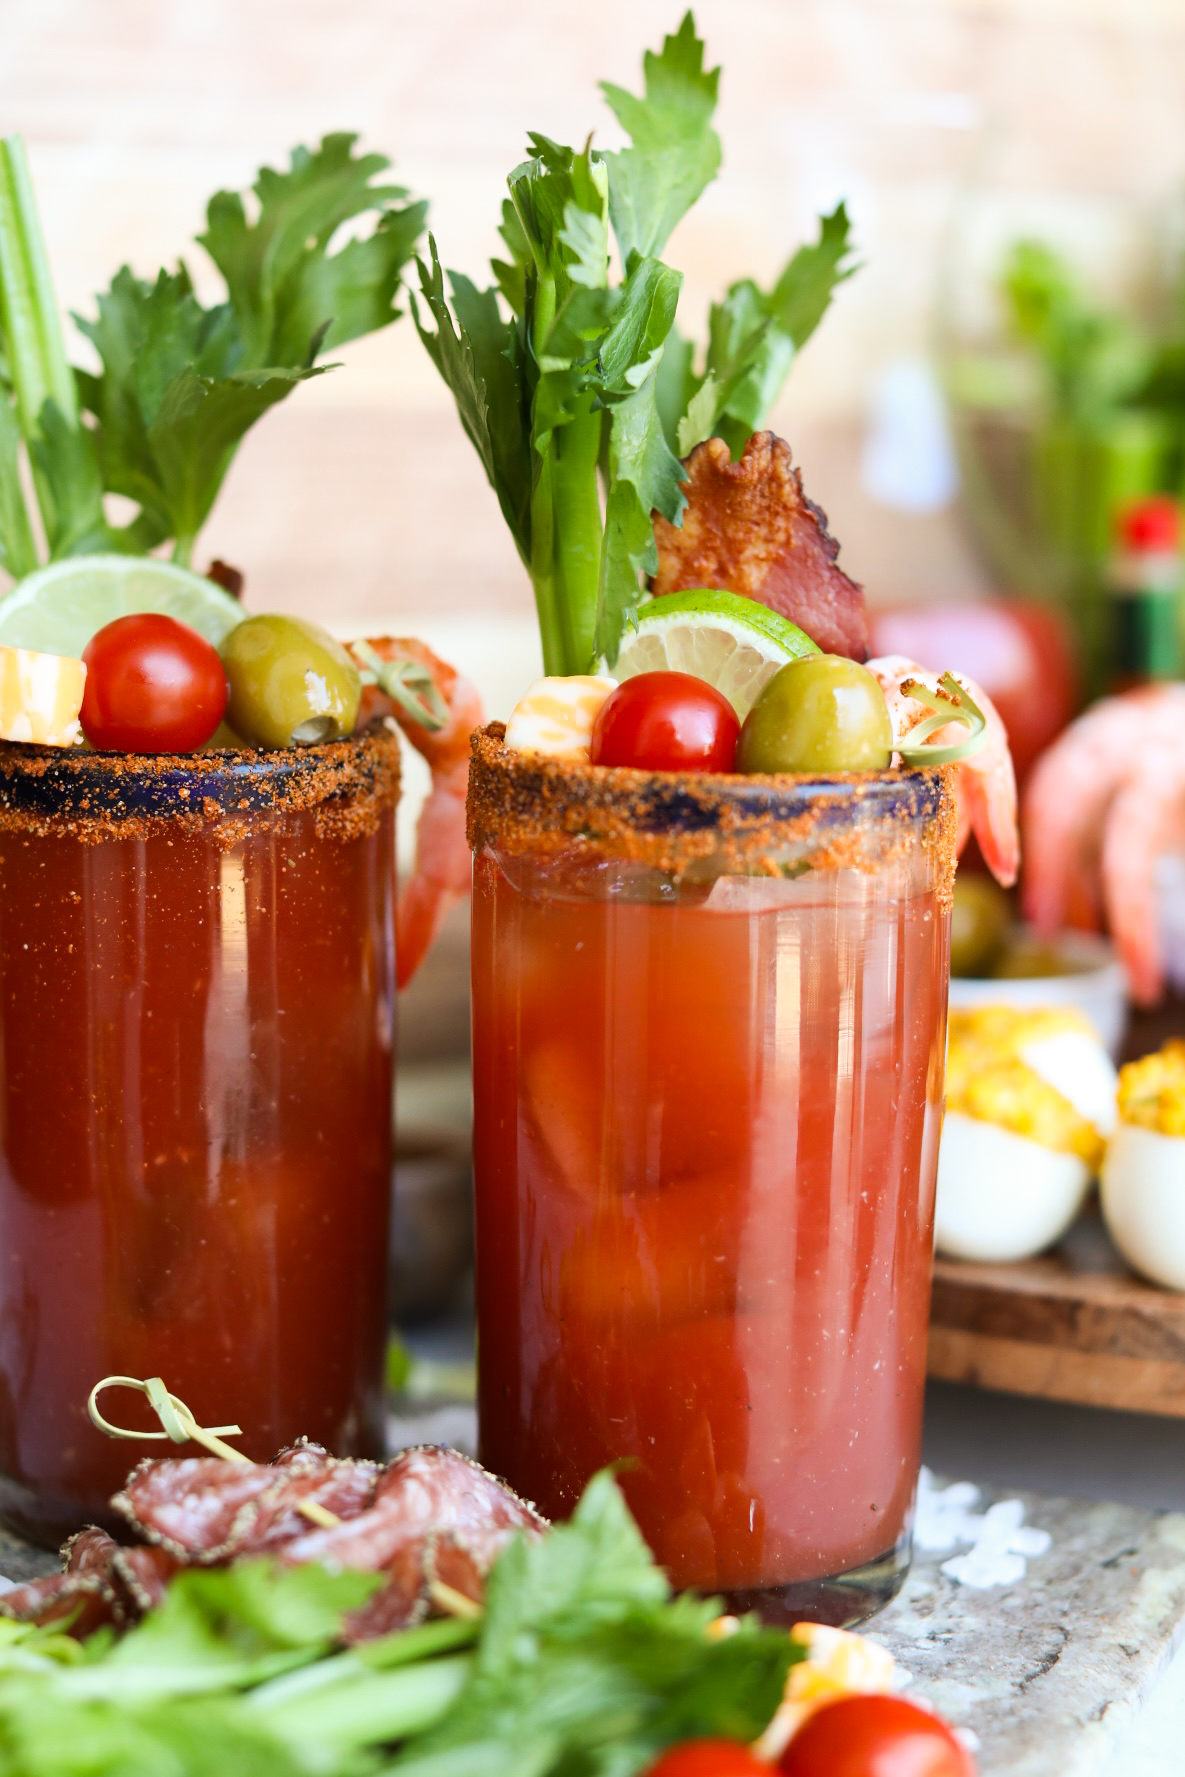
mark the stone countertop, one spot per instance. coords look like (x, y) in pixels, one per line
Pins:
(1049, 1674)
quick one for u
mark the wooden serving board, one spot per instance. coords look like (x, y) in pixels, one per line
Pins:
(1073, 1325)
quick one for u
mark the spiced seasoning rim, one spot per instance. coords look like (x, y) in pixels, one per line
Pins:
(56, 784)
(525, 799)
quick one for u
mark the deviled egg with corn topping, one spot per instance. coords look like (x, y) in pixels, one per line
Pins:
(1030, 1105)
(1143, 1181)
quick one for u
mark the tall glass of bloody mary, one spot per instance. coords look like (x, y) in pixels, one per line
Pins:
(708, 1038)
(196, 1019)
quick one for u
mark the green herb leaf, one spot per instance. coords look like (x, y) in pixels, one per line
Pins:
(224, 1628)
(644, 477)
(585, 1667)
(675, 152)
(180, 384)
(478, 362)
(285, 285)
(753, 336)
(195, 432)
(579, 404)
(1093, 361)
(66, 469)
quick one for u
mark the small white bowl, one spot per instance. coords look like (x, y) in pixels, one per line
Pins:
(1096, 985)
(1142, 1190)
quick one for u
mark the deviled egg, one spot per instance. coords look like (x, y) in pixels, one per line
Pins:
(1143, 1181)
(1030, 1103)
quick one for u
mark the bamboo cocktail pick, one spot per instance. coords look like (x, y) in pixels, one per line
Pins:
(180, 1427)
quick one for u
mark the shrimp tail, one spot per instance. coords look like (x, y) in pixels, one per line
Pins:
(441, 872)
(984, 785)
(419, 915)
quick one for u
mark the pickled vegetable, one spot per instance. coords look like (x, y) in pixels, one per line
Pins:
(979, 925)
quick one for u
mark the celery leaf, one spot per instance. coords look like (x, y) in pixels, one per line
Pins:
(285, 285)
(753, 337)
(585, 1666)
(675, 151)
(478, 361)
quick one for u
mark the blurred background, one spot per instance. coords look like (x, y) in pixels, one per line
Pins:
(1003, 373)
(951, 127)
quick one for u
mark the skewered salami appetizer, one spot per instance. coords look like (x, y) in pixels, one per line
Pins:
(431, 1520)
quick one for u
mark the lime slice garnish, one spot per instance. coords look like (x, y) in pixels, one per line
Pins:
(733, 643)
(59, 608)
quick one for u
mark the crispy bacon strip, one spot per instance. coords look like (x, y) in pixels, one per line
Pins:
(749, 528)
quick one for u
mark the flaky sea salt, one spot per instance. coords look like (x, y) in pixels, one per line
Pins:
(1002, 1544)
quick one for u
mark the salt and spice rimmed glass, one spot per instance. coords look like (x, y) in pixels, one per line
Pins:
(708, 1044)
(197, 1017)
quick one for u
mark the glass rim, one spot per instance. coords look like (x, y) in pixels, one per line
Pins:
(531, 802)
(58, 790)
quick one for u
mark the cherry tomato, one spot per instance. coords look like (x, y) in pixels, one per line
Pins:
(874, 1737)
(153, 685)
(666, 722)
(708, 1758)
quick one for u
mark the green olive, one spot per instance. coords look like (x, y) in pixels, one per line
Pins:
(820, 713)
(979, 925)
(290, 682)
(1024, 959)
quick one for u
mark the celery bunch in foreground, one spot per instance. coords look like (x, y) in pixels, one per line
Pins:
(580, 1666)
(180, 383)
(576, 390)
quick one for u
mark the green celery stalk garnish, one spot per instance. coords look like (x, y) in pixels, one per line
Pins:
(40, 401)
(574, 387)
(180, 383)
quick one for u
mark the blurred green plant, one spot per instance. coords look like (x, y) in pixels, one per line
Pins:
(1079, 410)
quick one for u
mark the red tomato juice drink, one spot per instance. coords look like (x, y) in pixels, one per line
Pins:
(196, 1019)
(709, 1031)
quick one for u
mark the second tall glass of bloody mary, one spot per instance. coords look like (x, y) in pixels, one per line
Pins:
(196, 1028)
(708, 1027)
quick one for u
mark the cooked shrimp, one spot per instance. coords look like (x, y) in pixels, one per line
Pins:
(442, 868)
(1100, 807)
(1070, 792)
(985, 784)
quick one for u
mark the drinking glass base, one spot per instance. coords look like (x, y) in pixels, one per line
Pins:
(840, 1599)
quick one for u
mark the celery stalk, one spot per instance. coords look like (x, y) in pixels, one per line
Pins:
(28, 308)
(578, 530)
(365, 1708)
(18, 550)
(61, 452)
